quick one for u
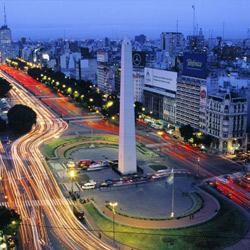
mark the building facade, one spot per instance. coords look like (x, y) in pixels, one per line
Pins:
(172, 42)
(138, 79)
(160, 93)
(192, 91)
(188, 101)
(226, 120)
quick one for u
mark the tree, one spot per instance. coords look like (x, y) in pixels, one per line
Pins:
(5, 87)
(9, 220)
(207, 140)
(2, 125)
(138, 109)
(186, 132)
(21, 118)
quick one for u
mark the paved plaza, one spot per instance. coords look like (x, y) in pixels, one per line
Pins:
(152, 199)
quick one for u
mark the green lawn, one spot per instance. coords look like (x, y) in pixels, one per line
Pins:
(225, 229)
(49, 148)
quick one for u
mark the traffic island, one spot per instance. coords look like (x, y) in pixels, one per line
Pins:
(227, 227)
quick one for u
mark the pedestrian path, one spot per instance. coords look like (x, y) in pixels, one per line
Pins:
(207, 212)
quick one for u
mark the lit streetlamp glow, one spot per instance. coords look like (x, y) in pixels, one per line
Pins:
(113, 206)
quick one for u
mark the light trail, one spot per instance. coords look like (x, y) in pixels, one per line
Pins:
(40, 184)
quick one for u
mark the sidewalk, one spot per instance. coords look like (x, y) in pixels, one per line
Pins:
(207, 212)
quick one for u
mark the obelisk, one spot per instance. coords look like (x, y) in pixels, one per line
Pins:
(127, 142)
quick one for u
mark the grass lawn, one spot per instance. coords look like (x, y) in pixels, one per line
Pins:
(225, 229)
(49, 148)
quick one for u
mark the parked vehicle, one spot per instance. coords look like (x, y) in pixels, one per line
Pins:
(84, 163)
(104, 184)
(89, 185)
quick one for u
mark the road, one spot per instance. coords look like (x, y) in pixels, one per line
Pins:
(39, 184)
(176, 153)
(27, 178)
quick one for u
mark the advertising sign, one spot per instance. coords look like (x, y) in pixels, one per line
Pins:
(195, 65)
(139, 59)
(203, 96)
(160, 78)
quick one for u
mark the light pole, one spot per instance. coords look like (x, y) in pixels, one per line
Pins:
(198, 166)
(72, 175)
(113, 205)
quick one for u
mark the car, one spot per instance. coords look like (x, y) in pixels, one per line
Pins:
(84, 163)
(89, 185)
(109, 181)
(105, 184)
(163, 171)
(95, 167)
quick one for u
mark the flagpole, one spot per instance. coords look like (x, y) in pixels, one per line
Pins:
(172, 213)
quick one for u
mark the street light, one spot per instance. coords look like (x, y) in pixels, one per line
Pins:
(113, 206)
(72, 175)
(160, 133)
(198, 165)
(109, 104)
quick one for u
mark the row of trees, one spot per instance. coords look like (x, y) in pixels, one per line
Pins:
(5, 87)
(9, 221)
(83, 92)
(187, 132)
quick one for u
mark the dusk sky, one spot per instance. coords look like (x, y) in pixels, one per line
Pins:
(42, 19)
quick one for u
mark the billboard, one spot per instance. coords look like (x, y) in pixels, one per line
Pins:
(139, 59)
(203, 96)
(195, 65)
(160, 78)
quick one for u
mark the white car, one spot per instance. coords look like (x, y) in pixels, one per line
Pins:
(89, 185)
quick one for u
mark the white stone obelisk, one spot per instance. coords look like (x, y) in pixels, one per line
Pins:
(127, 142)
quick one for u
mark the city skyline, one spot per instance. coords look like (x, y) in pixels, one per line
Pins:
(71, 19)
(124, 124)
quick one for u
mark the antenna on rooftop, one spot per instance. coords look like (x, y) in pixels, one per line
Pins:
(194, 25)
(4, 15)
(177, 25)
(223, 30)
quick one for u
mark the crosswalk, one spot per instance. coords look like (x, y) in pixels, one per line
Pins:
(42, 203)
(83, 118)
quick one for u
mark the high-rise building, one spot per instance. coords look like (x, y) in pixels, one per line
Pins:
(6, 49)
(139, 63)
(196, 42)
(106, 77)
(5, 35)
(172, 42)
(127, 143)
(138, 80)
(160, 93)
(70, 63)
(191, 91)
(88, 68)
